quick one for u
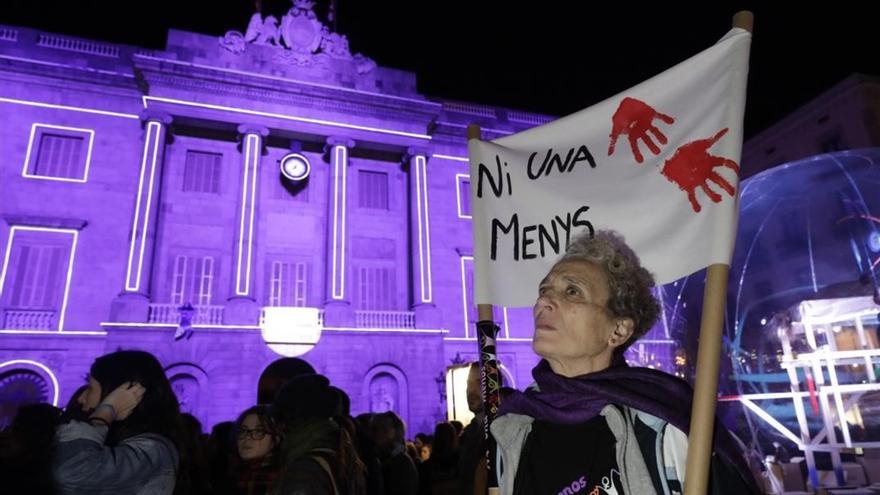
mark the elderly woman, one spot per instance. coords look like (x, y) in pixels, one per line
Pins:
(591, 424)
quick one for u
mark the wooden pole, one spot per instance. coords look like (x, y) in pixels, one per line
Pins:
(487, 332)
(700, 436)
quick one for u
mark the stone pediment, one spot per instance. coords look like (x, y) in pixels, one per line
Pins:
(298, 39)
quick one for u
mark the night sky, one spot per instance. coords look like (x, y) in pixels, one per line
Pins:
(548, 57)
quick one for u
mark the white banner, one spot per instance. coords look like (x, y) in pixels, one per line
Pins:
(658, 163)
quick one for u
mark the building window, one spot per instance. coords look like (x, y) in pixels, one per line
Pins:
(59, 153)
(464, 195)
(288, 283)
(192, 280)
(37, 276)
(201, 172)
(373, 190)
(376, 288)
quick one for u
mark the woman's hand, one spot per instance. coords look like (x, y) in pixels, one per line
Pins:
(124, 399)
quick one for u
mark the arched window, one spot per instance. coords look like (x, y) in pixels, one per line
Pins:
(24, 382)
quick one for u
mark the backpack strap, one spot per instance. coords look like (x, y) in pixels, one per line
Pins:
(326, 467)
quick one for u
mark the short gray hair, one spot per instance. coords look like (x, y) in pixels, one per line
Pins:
(629, 284)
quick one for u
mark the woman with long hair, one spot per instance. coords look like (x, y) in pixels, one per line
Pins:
(258, 442)
(131, 440)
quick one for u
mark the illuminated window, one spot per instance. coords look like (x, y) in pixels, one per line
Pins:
(192, 280)
(288, 283)
(373, 190)
(202, 172)
(464, 197)
(59, 153)
(34, 283)
(376, 288)
(36, 275)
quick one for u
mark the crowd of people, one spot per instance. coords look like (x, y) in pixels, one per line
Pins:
(589, 424)
(123, 432)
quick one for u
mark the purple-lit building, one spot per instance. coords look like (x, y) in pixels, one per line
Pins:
(261, 177)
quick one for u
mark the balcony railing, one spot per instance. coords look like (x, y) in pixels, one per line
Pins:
(385, 319)
(29, 319)
(213, 315)
(169, 313)
(8, 34)
(77, 45)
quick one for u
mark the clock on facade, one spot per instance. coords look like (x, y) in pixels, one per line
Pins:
(295, 167)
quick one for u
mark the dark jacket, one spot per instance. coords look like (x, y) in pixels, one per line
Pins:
(399, 473)
(318, 458)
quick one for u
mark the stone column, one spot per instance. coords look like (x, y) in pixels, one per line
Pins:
(422, 299)
(241, 307)
(338, 311)
(133, 303)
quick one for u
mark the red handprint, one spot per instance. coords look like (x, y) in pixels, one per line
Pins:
(692, 166)
(635, 118)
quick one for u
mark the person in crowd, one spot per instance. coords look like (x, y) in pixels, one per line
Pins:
(317, 455)
(472, 467)
(360, 438)
(439, 474)
(258, 441)
(131, 441)
(25, 449)
(412, 452)
(223, 459)
(197, 452)
(277, 374)
(422, 442)
(458, 425)
(398, 471)
(630, 422)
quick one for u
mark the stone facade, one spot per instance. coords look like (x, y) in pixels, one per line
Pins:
(134, 183)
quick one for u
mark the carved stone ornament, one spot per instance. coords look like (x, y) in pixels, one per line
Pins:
(302, 39)
(233, 41)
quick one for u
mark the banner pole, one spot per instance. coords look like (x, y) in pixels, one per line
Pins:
(700, 436)
(490, 384)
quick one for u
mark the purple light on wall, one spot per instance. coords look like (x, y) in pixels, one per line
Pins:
(40, 104)
(135, 193)
(334, 123)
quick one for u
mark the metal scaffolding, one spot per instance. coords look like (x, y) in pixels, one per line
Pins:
(831, 361)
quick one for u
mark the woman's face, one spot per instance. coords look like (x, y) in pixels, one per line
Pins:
(254, 442)
(91, 396)
(572, 319)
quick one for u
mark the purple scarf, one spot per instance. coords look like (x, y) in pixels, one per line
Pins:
(576, 400)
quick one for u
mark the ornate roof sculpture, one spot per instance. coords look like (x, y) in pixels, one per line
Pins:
(301, 38)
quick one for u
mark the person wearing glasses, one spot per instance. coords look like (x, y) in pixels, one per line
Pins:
(258, 440)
